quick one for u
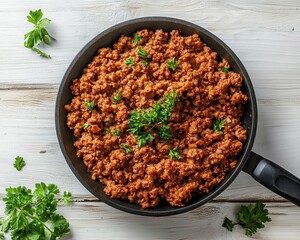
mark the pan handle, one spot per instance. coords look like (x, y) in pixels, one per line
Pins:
(274, 177)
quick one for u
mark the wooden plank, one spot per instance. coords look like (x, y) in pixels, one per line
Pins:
(264, 34)
(27, 120)
(93, 220)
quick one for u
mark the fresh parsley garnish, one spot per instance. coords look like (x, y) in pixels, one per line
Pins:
(172, 64)
(129, 62)
(218, 125)
(127, 148)
(251, 218)
(175, 153)
(110, 121)
(224, 69)
(141, 123)
(165, 133)
(108, 130)
(39, 34)
(89, 105)
(32, 214)
(1, 236)
(142, 52)
(145, 63)
(85, 126)
(136, 39)
(118, 97)
(67, 198)
(19, 163)
(116, 132)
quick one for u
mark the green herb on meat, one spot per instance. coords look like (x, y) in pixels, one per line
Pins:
(175, 153)
(165, 133)
(89, 105)
(110, 121)
(136, 39)
(39, 34)
(116, 132)
(145, 63)
(19, 163)
(251, 218)
(172, 64)
(118, 97)
(218, 125)
(224, 69)
(85, 126)
(142, 52)
(127, 148)
(108, 130)
(141, 123)
(129, 62)
(32, 214)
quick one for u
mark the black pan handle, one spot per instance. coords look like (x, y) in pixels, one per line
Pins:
(274, 177)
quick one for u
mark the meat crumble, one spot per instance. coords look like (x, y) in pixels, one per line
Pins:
(120, 80)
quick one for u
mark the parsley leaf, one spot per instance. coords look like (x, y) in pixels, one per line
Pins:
(227, 223)
(129, 62)
(39, 34)
(142, 52)
(108, 130)
(172, 64)
(165, 133)
(218, 125)
(29, 213)
(67, 198)
(19, 163)
(251, 218)
(224, 69)
(145, 63)
(85, 126)
(1, 236)
(141, 123)
(127, 148)
(117, 132)
(174, 153)
(118, 97)
(90, 105)
(136, 39)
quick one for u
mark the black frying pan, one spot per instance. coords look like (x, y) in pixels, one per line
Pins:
(264, 171)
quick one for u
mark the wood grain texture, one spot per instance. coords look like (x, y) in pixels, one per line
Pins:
(264, 34)
(94, 220)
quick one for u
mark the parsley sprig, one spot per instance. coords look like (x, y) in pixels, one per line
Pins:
(224, 69)
(127, 148)
(145, 63)
(172, 64)
(85, 126)
(32, 214)
(136, 39)
(19, 163)
(129, 62)
(141, 123)
(175, 153)
(118, 97)
(251, 218)
(141, 52)
(89, 105)
(39, 34)
(218, 125)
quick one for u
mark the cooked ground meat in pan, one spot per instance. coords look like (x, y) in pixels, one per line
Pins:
(157, 117)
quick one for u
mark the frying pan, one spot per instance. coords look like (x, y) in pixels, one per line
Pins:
(264, 171)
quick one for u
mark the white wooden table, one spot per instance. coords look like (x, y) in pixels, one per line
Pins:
(264, 34)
